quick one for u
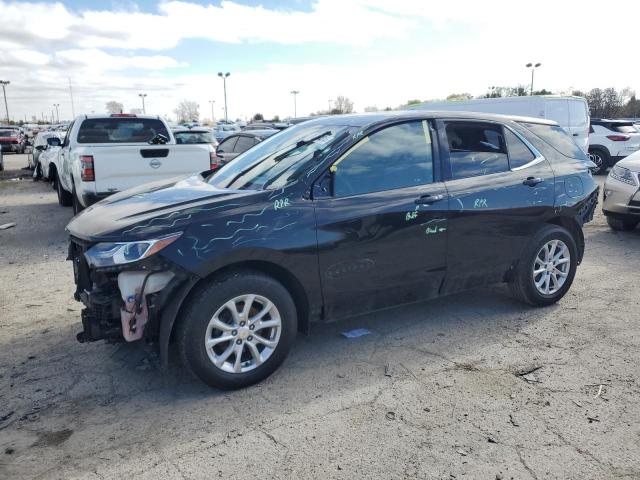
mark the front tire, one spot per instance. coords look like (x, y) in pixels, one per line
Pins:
(546, 268)
(622, 225)
(237, 330)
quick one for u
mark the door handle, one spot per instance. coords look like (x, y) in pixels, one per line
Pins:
(576, 134)
(532, 181)
(428, 199)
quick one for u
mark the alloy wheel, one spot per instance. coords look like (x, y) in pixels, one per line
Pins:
(243, 333)
(551, 267)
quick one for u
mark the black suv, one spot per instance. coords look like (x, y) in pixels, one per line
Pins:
(327, 219)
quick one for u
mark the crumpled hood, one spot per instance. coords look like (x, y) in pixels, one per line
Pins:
(153, 208)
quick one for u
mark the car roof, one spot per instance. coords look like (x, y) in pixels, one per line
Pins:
(255, 133)
(366, 119)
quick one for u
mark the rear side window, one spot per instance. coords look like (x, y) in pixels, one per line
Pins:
(120, 130)
(624, 129)
(476, 149)
(557, 138)
(399, 156)
(227, 144)
(519, 153)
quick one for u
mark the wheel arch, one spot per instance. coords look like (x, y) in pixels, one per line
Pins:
(574, 228)
(191, 287)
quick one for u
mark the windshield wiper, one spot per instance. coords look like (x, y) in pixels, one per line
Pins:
(300, 144)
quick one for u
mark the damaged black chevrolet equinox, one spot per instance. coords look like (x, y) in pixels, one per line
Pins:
(333, 217)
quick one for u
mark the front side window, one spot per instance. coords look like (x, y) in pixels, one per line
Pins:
(120, 130)
(227, 145)
(399, 156)
(244, 144)
(476, 149)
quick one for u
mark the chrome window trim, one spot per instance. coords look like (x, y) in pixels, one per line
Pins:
(538, 156)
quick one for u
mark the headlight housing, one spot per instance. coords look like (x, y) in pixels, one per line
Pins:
(109, 254)
(623, 175)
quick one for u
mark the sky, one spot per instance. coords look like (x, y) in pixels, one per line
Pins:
(378, 53)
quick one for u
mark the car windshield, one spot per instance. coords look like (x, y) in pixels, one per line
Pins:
(277, 160)
(194, 137)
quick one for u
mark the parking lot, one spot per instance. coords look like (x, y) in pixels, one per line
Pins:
(470, 386)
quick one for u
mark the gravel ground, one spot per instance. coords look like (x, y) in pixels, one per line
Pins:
(434, 391)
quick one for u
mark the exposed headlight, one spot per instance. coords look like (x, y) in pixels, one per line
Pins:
(623, 174)
(118, 253)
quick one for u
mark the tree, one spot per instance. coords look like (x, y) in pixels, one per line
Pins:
(413, 102)
(114, 107)
(276, 118)
(544, 91)
(187, 111)
(342, 105)
(457, 97)
(372, 108)
(258, 117)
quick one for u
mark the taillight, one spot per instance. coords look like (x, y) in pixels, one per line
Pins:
(618, 138)
(87, 173)
(213, 161)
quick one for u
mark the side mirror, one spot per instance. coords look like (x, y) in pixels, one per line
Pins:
(41, 147)
(219, 151)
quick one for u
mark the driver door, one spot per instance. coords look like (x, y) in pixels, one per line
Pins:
(381, 213)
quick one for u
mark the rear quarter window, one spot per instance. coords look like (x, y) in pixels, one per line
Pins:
(120, 130)
(557, 138)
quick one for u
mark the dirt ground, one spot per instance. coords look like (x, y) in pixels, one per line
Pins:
(433, 392)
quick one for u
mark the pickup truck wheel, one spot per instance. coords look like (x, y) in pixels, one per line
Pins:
(64, 197)
(237, 330)
(622, 225)
(546, 268)
(601, 159)
(77, 206)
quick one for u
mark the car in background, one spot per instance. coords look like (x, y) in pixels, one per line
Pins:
(266, 126)
(570, 112)
(610, 141)
(331, 218)
(39, 145)
(1, 161)
(195, 135)
(12, 140)
(621, 194)
(238, 143)
(105, 154)
(223, 130)
(47, 158)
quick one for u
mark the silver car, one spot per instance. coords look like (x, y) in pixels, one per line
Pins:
(622, 194)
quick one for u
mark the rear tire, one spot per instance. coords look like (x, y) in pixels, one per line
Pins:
(557, 276)
(77, 206)
(64, 197)
(216, 363)
(601, 158)
(621, 225)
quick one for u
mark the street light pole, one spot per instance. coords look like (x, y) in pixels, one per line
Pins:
(533, 69)
(4, 83)
(142, 95)
(224, 80)
(295, 106)
(213, 117)
(57, 112)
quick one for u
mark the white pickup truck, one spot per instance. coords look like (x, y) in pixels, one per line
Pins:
(105, 154)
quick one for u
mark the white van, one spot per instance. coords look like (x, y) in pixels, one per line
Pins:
(571, 113)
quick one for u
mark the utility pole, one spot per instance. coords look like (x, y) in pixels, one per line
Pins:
(4, 83)
(213, 117)
(142, 95)
(57, 112)
(295, 106)
(533, 69)
(224, 80)
(73, 107)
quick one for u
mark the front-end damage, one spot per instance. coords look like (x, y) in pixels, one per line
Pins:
(127, 302)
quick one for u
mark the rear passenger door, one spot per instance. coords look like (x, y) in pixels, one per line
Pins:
(500, 189)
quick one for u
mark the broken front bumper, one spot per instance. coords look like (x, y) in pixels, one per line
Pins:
(122, 303)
